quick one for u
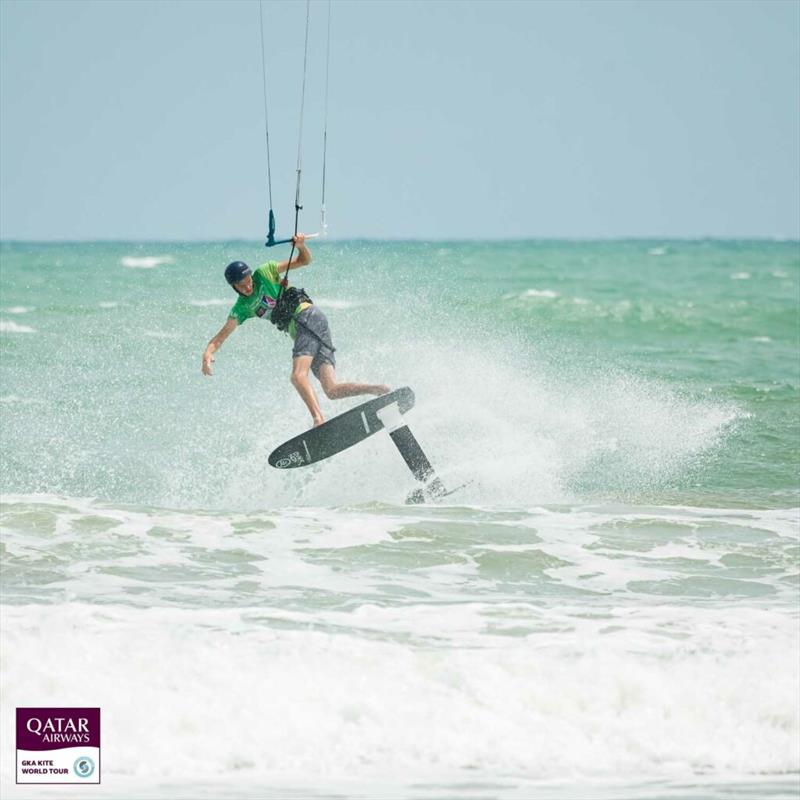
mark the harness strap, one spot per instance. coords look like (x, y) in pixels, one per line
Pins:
(283, 313)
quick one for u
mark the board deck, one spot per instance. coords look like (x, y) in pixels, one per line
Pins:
(339, 433)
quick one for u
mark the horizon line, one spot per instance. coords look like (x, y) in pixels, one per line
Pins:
(417, 240)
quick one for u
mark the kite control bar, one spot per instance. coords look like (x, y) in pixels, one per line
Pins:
(272, 241)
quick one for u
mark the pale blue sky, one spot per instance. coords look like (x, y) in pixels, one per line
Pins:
(144, 119)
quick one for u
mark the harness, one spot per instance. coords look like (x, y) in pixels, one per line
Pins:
(285, 306)
(289, 298)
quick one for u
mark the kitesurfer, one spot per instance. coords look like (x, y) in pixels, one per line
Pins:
(261, 294)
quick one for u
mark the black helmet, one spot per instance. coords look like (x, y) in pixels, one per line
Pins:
(236, 271)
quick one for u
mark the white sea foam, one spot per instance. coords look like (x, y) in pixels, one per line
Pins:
(657, 251)
(471, 673)
(108, 304)
(13, 399)
(213, 302)
(161, 334)
(548, 294)
(740, 276)
(9, 326)
(232, 694)
(145, 262)
(18, 309)
(332, 302)
(625, 553)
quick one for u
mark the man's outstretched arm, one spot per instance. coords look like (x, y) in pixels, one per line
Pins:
(225, 331)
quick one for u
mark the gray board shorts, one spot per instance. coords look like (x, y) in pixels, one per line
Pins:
(308, 322)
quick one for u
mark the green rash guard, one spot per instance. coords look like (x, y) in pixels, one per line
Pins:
(266, 286)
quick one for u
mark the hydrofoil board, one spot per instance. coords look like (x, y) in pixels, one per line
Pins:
(339, 433)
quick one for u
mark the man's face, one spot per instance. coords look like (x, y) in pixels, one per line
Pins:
(245, 286)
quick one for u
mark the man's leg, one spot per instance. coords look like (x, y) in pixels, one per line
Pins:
(336, 391)
(300, 381)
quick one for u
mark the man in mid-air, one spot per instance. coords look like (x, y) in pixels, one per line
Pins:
(263, 294)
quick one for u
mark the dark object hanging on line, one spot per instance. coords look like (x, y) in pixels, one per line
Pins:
(271, 240)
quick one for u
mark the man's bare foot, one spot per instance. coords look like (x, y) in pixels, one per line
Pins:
(380, 388)
(318, 421)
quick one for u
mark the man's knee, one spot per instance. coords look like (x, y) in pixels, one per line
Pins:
(299, 373)
(327, 381)
(328, 385)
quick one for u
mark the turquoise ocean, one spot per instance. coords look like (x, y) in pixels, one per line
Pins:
(608, 610)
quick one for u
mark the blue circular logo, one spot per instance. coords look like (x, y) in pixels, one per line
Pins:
(83, 767)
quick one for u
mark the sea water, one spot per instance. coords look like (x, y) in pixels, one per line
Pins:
(609, 608)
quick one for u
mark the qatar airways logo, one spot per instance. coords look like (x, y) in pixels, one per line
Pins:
(58, 745)
(60, 729)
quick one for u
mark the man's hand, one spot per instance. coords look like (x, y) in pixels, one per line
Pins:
(225, 331)
(302, 258)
